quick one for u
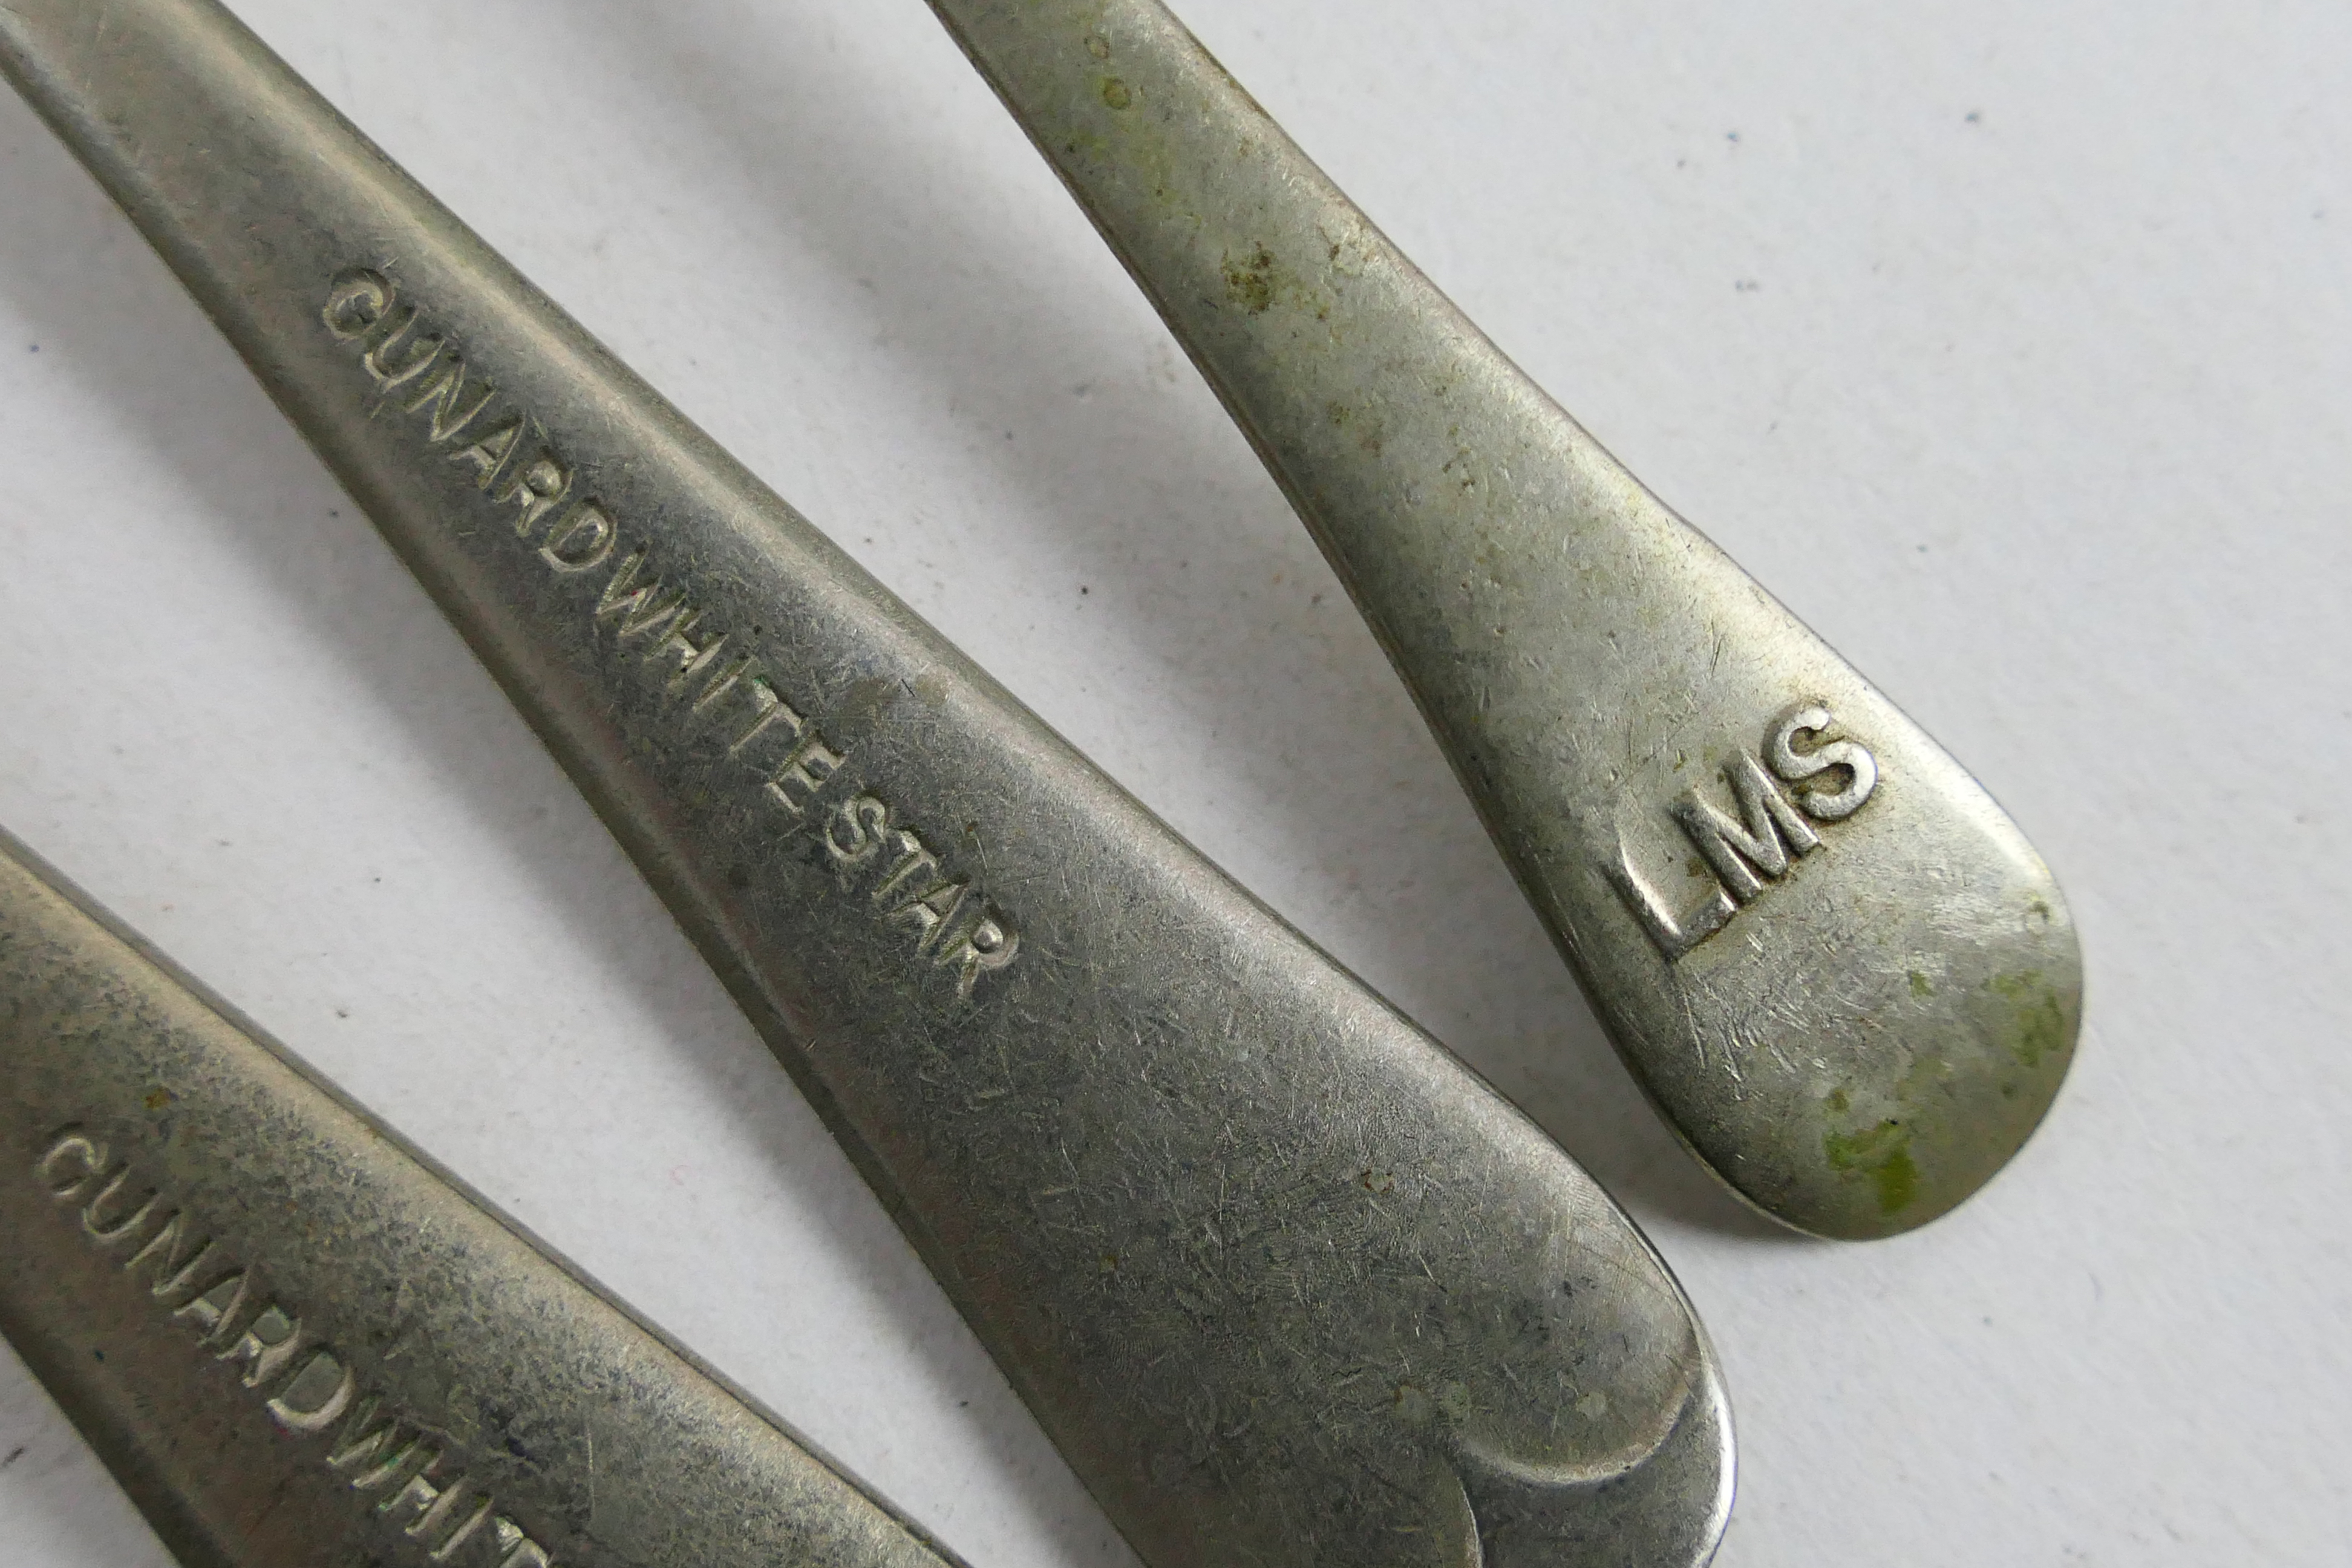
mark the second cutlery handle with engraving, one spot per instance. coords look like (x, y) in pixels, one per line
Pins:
(294, 1342)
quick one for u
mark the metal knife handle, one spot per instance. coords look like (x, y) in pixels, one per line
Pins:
(1836, 967)
(296, 1342)
(1286, 1283)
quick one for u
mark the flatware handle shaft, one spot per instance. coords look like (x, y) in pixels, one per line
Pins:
(1837, 968)
(296, 1342)
(1283, 1280)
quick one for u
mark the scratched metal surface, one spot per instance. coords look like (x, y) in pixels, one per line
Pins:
(1283, 1280)
(2036, 417)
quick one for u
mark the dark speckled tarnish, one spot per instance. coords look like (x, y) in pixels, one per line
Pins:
(296, 1342)
(1285, 1281)
(1838, 970)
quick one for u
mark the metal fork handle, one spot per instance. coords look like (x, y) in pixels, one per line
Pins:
(1836, 967)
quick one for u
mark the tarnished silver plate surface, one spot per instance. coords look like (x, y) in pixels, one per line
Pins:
(1286, 1283)
(296, 1343)
(1834, 964)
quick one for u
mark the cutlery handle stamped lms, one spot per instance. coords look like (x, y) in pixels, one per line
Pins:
(1834, 943)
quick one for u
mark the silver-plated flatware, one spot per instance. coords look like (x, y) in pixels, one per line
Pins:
(297, 1341)
(1835, 966)
(1286, 1283)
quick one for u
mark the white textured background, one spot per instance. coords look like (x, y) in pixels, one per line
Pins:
(2006, 342)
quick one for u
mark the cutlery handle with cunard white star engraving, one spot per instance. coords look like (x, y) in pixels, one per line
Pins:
(1283, 1280)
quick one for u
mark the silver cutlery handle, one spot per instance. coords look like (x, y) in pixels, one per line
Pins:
(1835, 966)
(296, 1342)
(1285, 1281)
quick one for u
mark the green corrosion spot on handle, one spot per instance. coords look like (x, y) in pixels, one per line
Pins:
(2040, 1015)
(1882, 1153)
